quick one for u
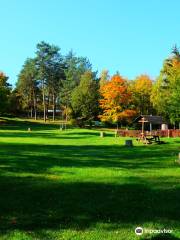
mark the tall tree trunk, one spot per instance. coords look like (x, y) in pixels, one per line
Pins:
(47, 106)
(54, 107)
(66, 117)
(31, 112)
(44, 101)
(35, 107)
(66, 114)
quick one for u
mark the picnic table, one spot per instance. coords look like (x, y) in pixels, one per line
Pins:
(149, 139)
(153, 139)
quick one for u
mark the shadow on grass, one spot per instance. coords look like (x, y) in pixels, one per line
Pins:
(19, 157)
(13, 124)
(47, 135)
(28, 203)
(35, 202)
(162, 237)
(22, 126)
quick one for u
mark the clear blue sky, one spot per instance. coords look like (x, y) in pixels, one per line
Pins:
(131, 36)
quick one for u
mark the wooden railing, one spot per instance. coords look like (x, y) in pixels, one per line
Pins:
(160, 133)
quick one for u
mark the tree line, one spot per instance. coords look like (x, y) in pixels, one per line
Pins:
(65, 85)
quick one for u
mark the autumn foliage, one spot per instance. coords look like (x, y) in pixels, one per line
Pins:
(141, 88)
(143, 84)
(52, 83)
(115, 101)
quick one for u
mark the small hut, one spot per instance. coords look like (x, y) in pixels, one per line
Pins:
(149, 119)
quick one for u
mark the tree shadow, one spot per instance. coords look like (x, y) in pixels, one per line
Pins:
(35, 203)
(39, 158)
(31, 201)
(46, 135)
(162, 237)
(14, 124)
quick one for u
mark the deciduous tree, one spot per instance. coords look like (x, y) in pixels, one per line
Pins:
(141, 88)
(27, 86)
(104, 78)
(116, 100)
(5, 90)
(75, 67)
(85, 97)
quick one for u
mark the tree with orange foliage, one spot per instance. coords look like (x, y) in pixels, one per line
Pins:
(142, 88)
(115, 101)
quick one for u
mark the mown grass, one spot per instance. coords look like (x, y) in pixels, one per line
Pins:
(75, 185)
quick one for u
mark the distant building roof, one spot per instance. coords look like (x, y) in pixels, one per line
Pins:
(150, 119)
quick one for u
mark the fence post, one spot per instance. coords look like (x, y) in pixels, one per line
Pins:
(116, 133)
(101, 134)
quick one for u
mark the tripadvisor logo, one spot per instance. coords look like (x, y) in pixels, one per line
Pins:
(139, 231)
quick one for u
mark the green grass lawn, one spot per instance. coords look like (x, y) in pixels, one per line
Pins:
(75, 185)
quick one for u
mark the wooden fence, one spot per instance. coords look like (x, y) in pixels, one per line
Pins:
(160, 133)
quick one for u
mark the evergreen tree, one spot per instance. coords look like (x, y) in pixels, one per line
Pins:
(5, 90)
(48, 62)
(166, 91)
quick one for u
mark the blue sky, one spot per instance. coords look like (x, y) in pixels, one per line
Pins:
(131, 36)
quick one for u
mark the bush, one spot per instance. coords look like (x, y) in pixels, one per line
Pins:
(73, 122)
